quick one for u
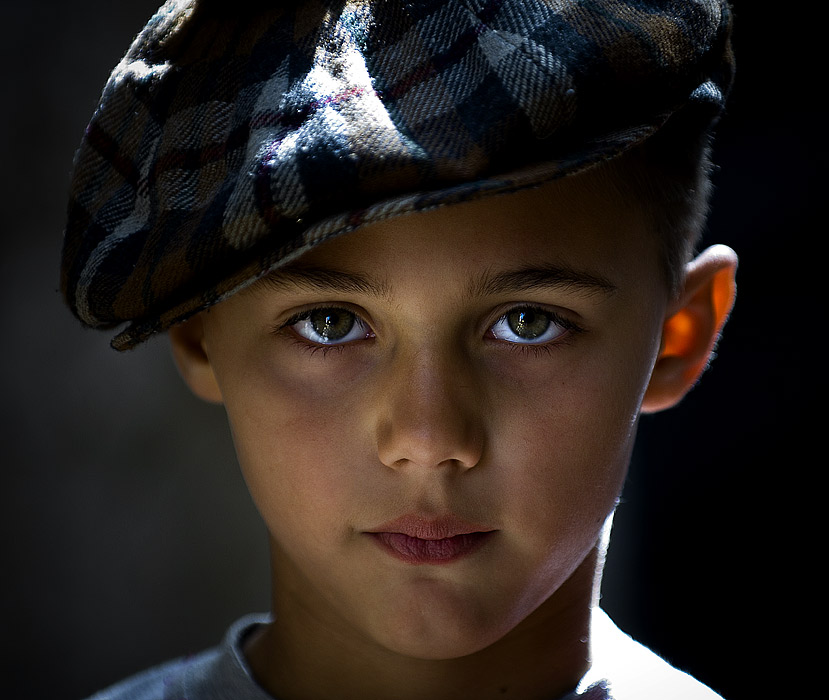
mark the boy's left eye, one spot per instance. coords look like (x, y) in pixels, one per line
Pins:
(529, 326)
(329, 326)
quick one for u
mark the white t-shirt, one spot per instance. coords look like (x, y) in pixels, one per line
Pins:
(621, 669)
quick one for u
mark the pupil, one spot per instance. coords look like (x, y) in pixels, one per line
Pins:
(528, 324)
(332, 324)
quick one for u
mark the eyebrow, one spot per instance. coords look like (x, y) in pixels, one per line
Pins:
(320, 279)
(533, 278)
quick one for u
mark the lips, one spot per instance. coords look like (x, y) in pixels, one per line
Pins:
(417, 540)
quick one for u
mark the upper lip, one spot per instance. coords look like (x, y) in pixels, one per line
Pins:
(430, 528)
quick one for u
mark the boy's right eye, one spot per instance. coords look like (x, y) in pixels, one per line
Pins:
(329, 326)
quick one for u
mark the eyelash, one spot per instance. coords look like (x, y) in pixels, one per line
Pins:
(539, 349)
(570, 328)
(313, 349)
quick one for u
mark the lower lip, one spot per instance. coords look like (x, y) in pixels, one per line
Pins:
(414, 550)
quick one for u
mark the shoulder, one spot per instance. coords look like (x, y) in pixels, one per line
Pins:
(156, 683)
(630, 671)
(215, 674)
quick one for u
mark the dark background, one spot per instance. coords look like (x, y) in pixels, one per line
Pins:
(129, 538)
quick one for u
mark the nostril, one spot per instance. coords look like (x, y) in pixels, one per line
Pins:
(407, 442)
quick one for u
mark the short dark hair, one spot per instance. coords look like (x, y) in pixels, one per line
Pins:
(669, 175)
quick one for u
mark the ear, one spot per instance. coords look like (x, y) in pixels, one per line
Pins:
(692, 327)
(187, 341)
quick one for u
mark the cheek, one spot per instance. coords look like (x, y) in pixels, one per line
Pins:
(298, 442)
(573, 440)
(569, 476)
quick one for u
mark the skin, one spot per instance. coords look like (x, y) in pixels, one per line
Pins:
(434, 406)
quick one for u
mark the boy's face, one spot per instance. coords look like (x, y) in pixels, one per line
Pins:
(434, 414)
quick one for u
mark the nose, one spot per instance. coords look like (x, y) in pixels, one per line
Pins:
(430, 413)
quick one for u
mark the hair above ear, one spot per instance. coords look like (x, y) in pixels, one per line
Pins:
(187, 343)
(692, 327)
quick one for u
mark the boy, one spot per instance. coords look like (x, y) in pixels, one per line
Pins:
(434, 259)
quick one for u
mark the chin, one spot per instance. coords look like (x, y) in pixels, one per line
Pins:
(432, 629)
(442, 645)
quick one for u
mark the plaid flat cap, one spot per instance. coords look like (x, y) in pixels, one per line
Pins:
(234, 136)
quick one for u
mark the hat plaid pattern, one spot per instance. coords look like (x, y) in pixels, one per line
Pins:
(230, 140)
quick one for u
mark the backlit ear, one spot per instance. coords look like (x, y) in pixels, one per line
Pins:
(692, 327)
(187, 341)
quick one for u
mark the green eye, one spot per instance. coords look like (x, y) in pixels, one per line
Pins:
(529, 326)
(329, 326)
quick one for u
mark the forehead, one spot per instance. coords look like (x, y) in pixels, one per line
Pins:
(579, 232)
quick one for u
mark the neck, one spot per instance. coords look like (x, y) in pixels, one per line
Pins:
(299, 657)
